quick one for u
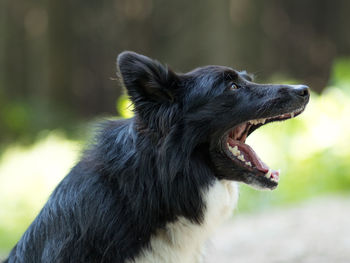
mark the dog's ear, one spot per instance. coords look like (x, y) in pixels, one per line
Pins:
(146, 79)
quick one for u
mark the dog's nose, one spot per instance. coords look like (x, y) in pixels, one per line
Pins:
(301, 90)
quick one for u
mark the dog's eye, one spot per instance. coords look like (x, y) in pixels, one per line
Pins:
(233, 86)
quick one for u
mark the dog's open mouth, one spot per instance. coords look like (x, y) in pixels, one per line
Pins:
(243, 155)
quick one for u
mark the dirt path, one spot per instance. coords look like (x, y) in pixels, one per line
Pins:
(314, 232)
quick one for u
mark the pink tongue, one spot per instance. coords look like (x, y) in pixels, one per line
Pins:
(249, 155)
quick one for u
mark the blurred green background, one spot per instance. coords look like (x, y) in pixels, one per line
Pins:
(57, 70)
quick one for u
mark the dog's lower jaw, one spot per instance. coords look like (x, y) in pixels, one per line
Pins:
(183, 241)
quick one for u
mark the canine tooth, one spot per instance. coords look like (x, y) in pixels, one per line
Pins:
(248, 163)
(292, 115)
(268, 174)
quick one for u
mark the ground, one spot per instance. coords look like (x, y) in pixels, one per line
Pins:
(314, 232)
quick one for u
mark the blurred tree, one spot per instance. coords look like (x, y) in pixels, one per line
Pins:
(60, 45)
(59, 55)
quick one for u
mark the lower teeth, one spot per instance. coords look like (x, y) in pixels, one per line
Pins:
(234, 150)
(268, 174)
(241, 157)
(272, 177)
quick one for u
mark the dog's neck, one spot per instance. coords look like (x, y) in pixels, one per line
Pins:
(182, 240)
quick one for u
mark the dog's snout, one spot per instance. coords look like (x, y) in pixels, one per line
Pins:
(297, 91)
(301, 90)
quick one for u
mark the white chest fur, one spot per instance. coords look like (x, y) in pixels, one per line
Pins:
(182, 241)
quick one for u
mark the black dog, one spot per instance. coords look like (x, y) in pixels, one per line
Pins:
(154, 187)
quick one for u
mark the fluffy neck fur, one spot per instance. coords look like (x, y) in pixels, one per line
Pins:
(160, 183)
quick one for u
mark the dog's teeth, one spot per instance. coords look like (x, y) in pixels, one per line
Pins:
(292, 115)
(268, 174)
(275, 179)
(258, 121)
(241, 157)
(248, 163)
(234, 151)
(255, 122)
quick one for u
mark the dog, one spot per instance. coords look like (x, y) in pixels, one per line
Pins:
(154, 187)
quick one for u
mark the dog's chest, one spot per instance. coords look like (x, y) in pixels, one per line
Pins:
(182, 241)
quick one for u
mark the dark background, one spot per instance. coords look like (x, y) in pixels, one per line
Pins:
(57, 58)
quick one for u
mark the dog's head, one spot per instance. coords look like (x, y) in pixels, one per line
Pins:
(211, 109)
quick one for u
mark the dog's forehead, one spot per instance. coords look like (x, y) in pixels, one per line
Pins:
(212, 70)
(212, 80)
(223, 72)
(244, 74)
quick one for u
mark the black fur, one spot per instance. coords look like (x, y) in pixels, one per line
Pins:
(147, 171)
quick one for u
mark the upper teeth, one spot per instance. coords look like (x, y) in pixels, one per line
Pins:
(286, 115)
(257, 121)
